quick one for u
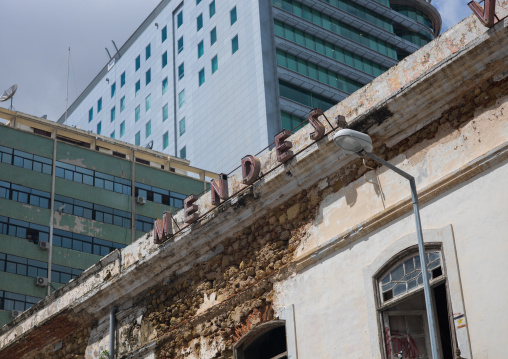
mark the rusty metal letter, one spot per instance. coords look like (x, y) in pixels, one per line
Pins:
(488, 16)
(282, 146)
(219, 190)
(163, 229)
(318, 126)
(190, 209)
(250, 169)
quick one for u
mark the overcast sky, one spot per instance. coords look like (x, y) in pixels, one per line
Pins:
(35, 36)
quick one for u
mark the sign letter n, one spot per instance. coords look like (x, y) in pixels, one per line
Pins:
(219, 189)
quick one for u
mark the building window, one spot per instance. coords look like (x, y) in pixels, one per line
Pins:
(137, 113)
(113, 113)
(138, 62)
(122, 104)
(199, 22)
(138, 87)
(148, 76)
(232, 15)
(183, 152)
(215, 64)
(182, 126)
(213, 36)
(268, 338)
(181, 71)
(211, 7)
(201, 76)
(165, 140)
(201, 49)
(99, 105)
(164, 33)
(99, 127)
(165, 112)
(137, 138)
(148, 102)
(122, 128)
(164, 59)
(402, 306)
(180, 44)
(113, 89)
(112, 135)
(148, 52)
(148, 129)
(122, 79)
(164, 85)
(234, 44)
(90, 115)
(179, 19)
(197, 2)
(181, 98)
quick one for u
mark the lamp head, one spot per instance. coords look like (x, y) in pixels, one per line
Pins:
(353, 141)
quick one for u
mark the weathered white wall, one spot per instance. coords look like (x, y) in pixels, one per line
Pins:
(330, 296)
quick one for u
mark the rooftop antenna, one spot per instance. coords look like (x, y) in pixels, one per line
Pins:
(67, 98)
(9, 94)
(108, 53)
(116, 48)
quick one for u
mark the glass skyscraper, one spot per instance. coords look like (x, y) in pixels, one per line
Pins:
(224, 77)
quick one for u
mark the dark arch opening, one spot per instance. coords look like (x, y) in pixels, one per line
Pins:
(267, 341)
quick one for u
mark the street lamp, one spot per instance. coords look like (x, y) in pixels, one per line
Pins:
(361, 144)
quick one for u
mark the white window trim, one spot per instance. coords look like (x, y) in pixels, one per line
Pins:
(442, 237)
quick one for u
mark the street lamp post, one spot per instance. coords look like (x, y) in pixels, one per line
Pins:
(361, 145)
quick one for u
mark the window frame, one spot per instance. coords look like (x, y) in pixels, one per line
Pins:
(213, 36)
(211, 9)
(199, 22)
(214, 60)
(201, 48)
(164, 34)
(148, 51)
(137, 63)
(179, 19)
(400, 251)
(180, 48)
(233, 16)
(201, 77)
(234, 41)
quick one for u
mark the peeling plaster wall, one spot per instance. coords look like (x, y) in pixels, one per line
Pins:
(329, 296)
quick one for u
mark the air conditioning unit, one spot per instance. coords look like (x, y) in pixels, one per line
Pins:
(43, 245)
(141, 200)
(41, 282)
(15, 313)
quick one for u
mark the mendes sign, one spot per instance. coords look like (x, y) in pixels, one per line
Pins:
(251, 167)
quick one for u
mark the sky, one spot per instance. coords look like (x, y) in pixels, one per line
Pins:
(35, 36)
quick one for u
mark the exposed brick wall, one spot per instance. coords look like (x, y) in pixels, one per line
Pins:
(61, 328)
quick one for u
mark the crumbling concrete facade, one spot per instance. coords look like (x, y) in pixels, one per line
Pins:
(309, 247)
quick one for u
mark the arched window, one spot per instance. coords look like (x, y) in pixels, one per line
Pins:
(266, 341)
(401, 306)
(406, 275)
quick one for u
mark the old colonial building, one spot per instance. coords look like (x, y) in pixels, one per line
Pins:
(318, 258)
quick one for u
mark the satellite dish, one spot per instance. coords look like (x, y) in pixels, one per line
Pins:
(149, 145)
(8, 94)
